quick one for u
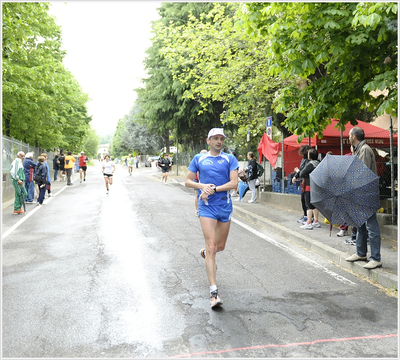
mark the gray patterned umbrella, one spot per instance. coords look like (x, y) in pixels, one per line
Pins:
(344, 190)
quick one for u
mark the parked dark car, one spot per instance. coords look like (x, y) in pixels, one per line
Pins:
(150, 160)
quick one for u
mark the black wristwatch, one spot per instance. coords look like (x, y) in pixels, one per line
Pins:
(214, 188)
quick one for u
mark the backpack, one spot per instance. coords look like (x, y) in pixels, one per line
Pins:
(260, 170)
(37, 177)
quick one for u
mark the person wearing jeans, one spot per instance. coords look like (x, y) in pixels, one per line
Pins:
(29, 171)
(371, 227)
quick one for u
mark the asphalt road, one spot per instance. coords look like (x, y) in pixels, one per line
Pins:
(91, 275)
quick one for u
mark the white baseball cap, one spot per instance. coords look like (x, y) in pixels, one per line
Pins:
(82, 152)
(216, 131)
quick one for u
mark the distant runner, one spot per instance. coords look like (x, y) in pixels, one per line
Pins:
(83, 159)
(130, 161)
(108, 168)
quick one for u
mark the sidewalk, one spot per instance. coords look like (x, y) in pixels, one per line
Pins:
(283, 222)
(55, 187)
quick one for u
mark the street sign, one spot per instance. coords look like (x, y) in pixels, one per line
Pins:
(269, 127)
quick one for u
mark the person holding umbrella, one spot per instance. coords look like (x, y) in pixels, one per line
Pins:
(371, 227)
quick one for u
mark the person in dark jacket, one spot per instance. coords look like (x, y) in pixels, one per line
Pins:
(251, 172)
(29, 171)
(56, 166)
(41, 171)
(303, 152)
(305, 173)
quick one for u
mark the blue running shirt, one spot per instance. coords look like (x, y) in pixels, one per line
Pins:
(214, 170)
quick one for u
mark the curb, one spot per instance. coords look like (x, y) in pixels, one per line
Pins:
(379, 276)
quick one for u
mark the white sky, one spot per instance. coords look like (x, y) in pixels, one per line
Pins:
(105, 43)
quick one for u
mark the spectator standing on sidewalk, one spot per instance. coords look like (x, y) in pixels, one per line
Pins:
(303, 151)
(251, 172)
(48, 184)
(41, 173)
(371, 227)
(56, 166)
(83, 159)
(62, 167)
(218, 175)
(18, 178)
(29, 171)
(69, 166)
(305, 173)
(137, 161)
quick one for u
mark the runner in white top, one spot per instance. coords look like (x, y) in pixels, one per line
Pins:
(108, 169)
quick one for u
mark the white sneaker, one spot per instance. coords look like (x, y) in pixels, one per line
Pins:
(316, 224)
(251, 201)
(307, 227)
(342, 233)
(238, 199)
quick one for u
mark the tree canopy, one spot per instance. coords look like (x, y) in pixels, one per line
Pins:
(218, 61)
(43, 104)
(162, 106)
(334, 55)
(133, 137)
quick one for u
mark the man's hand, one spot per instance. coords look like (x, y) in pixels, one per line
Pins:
(208, 189)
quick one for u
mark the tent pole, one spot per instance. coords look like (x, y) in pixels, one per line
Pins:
(283, 165)
(341, 141)
(392, 170)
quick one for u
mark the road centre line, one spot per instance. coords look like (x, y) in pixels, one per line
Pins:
(295, 254)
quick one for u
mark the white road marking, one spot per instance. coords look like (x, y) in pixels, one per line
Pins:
(294, 253)
(28, 215)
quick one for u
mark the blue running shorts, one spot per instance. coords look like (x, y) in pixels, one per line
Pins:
(221, 213)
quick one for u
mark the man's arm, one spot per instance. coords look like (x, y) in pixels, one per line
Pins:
(231, 184)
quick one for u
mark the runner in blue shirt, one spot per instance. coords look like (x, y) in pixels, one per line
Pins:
(218, 175)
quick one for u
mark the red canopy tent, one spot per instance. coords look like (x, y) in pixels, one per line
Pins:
(375, 136)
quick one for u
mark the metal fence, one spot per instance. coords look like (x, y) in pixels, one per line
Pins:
(11, 147)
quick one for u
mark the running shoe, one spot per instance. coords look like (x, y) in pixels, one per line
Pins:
(107, 192)
(203, 253)
(316, 224)
(215, 300)
(307, 227)
(303, 219)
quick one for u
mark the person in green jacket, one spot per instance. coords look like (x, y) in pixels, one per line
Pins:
(18, 178)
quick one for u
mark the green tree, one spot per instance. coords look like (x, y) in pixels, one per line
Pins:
(91, 143)
(222, 63)
(162, 106)
(333, 54)
(134, 137)
(43, 104)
